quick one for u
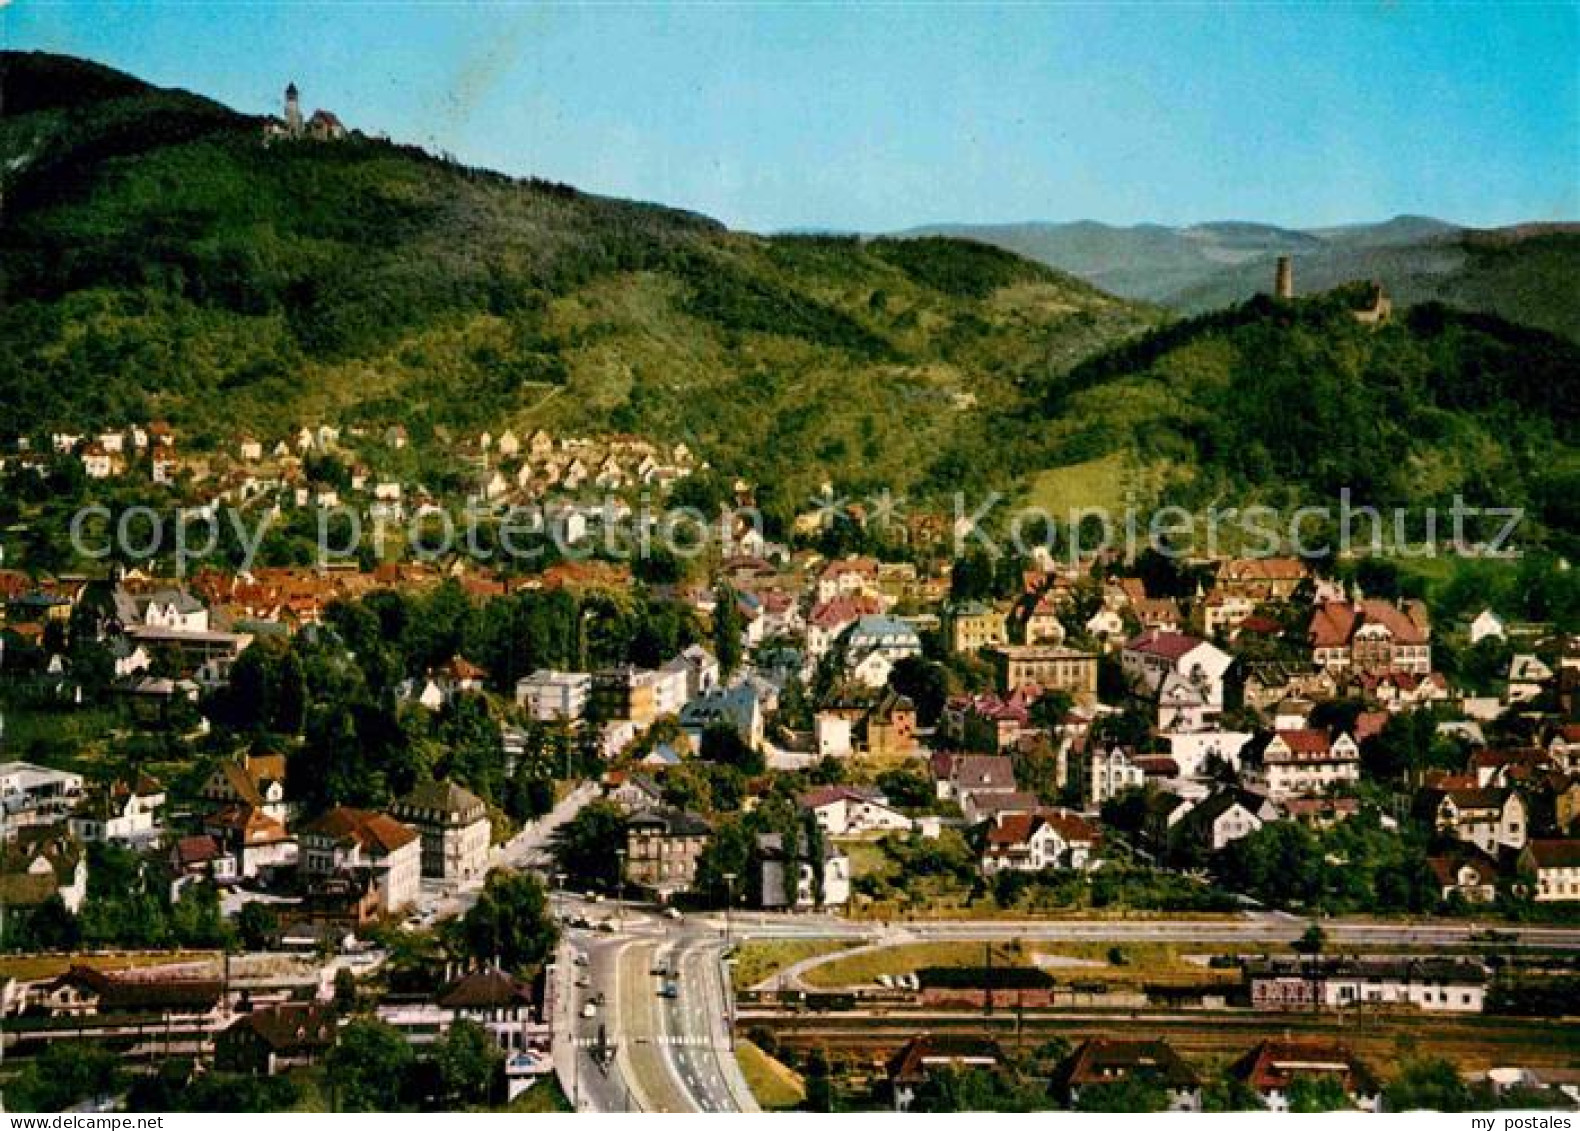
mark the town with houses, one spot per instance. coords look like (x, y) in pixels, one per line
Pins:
(290, 822)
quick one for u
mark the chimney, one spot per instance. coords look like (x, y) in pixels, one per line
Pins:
(1284, 279)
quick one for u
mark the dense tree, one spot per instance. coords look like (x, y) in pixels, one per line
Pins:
(368, 1065)
(1428, 1084)
(468, 1059)
(925, 683)
(64, 1073)
(584, 847)
(1137, 1092)
(1314, 1093)
(510, 923)
(728, 629)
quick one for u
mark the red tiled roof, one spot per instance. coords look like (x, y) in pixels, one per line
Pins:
(370, 830)
(1169, 645)
(1555, 853)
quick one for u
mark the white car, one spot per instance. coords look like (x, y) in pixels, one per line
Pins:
(589, 1010)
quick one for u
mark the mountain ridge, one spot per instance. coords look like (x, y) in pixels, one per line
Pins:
(1197, 267)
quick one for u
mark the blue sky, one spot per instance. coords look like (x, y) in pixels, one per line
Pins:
(882, 116)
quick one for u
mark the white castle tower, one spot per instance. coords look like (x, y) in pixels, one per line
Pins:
(293, 112)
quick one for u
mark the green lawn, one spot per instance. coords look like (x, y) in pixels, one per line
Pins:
(757, 961)
(776, 1086)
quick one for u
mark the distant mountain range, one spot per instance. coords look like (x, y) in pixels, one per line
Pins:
(1528, 273)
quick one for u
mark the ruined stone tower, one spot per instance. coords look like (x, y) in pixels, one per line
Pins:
(1284, 278)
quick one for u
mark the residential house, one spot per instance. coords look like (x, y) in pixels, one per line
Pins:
(1105, 1061)
(847, 811)
(1104, 771)
(1030, 842)
(848, 577)
(551, 696)
(662, 849)
(1224, 818)
(1273, 1066)
(40, 864)
(1045, 667)
(923, 1056)
(736, 707)
(974, 625)
(256, 781)
(1200, 753)
(1262, 579)
(1491, 819)
(454, 826)
(1155, 658)
(874, 644)
(1309, 760)
(824, 885)
(957, 775)
(276, 1038)
(352, 840)
(1553, 867)
(1470, 874)
(250, 838)
(121, 813)
(1370, 636)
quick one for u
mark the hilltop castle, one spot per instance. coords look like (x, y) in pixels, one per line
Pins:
(322, 126)
(1378, 308)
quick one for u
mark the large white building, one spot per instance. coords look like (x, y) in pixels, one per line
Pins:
(454, 826)
(551, 696)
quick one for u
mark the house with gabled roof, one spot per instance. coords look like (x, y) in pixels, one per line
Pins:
(1287, 763)
(849, 811)
(1370, 636)
(1553, 869)
(350, 840)
(1273, 1066)
(1044, 838)
(1492, 819)
(1107, 1061)
(273, 1039)
(927, 1054)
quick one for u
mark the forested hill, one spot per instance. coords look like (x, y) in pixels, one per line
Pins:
(1297, 400)
(157, 259)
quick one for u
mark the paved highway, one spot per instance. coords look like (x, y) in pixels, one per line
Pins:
(643, 1050)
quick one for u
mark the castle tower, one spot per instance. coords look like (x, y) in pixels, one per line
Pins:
(1284, 278)
(293, 112)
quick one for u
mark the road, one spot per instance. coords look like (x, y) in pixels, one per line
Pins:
(641, 1051)
(527, 849)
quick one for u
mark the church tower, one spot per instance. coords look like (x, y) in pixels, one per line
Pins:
(293, 112)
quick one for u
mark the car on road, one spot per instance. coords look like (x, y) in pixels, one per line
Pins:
(672, 913)
(608, 927)
(583, 981)
(670, 990)
(589, 1010)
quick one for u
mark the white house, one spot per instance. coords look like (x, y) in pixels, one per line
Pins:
(552, 695)
(843, 811)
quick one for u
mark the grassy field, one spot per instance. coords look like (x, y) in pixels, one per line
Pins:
(33, 967)
(775, 1086)
(755, 962)
(543, 1098)
(1142, 962)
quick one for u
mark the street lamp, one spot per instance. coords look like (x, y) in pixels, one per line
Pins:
(729, 898)
(619, 902)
